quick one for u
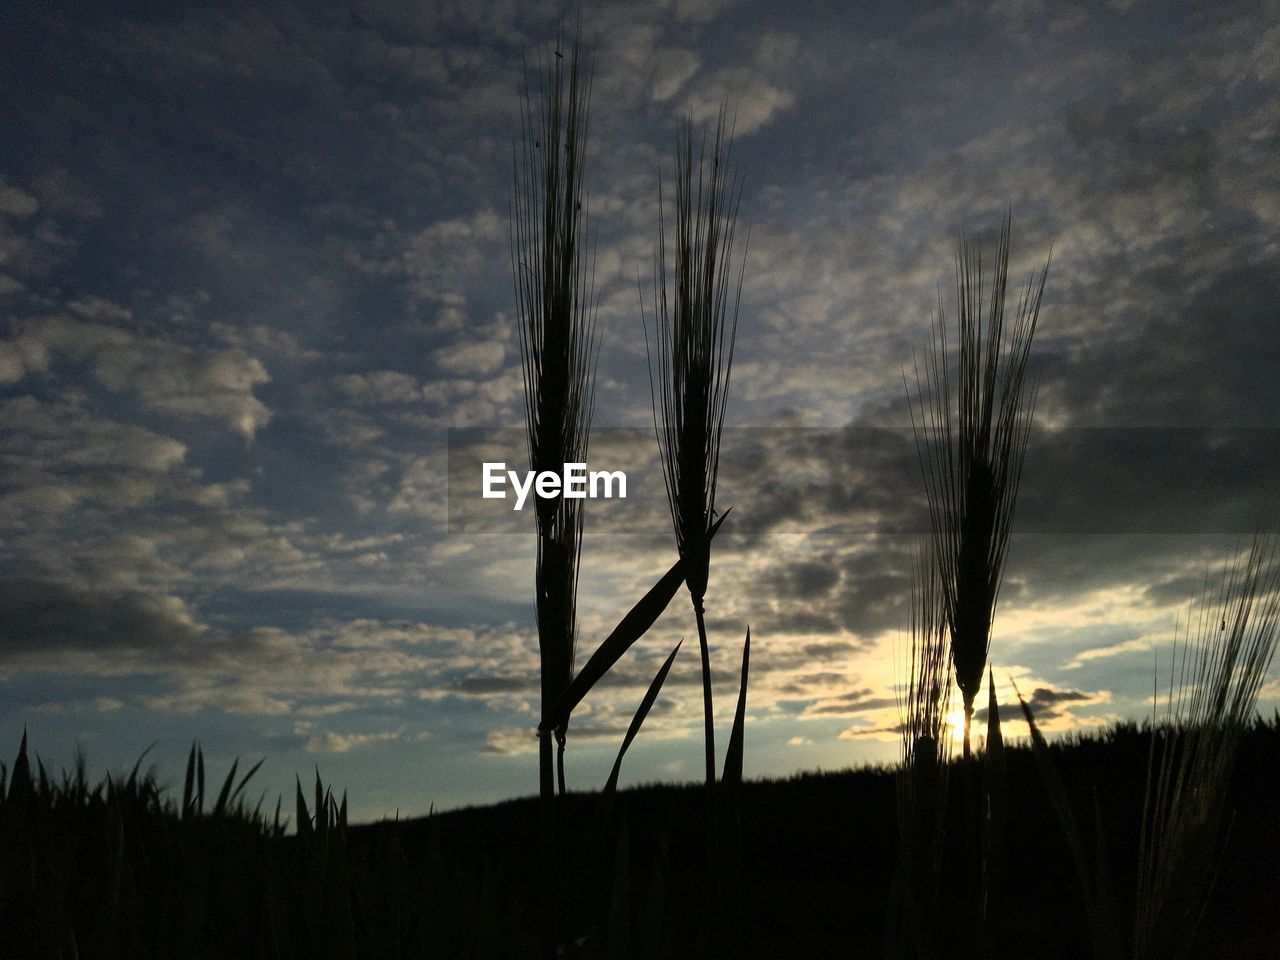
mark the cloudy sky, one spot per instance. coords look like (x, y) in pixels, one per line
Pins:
(254, 268)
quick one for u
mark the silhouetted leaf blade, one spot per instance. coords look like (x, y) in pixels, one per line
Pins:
(732, 773)
(630, 629)
(637, 721)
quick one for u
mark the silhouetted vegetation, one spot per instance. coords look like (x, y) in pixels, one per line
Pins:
(119, 868)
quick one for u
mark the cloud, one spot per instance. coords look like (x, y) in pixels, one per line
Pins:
(807, 581)
(16, 202)
(330, 741)
(483, 686)
(867, 730)
(62, 192)
(65, 435)
(258, 338)
(471, 359)
(510, 741)
(97, 705)
(379, 387)
(849, 704)
(99, 308)
(49, 623)
(442, 257)
(21, 356)
(1140, 644)
(165, 376)
(673, 68)
(754, 100)
(697, 11)
(1050, 706)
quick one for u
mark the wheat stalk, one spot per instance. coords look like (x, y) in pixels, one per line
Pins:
(922, 779)
(691, 359)
(972, 419)
(555, 302)
(554, 286)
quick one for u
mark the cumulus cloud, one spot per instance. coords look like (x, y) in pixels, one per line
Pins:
(330, 741)
(381, 386)
(163, 375)
(471, 359)
(441, 258)
(65, 434)
(62, 192)
(510, 741)
(756, 100)
(16, 202)
(20, 356)
(673, 68)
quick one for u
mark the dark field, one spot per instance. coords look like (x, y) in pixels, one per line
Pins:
(117, 870)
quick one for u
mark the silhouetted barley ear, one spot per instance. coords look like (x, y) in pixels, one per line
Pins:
(1224, 660)
(554, 299)
(691, 357)
(972, 418)
(922, 779)
(555, 304)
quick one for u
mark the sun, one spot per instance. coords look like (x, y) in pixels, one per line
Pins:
(955, 722)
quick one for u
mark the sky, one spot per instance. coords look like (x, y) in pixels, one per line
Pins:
(257, 319)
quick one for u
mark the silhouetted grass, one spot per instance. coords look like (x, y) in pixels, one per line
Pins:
(1191, 760)
(1224, 662)
(128, 876)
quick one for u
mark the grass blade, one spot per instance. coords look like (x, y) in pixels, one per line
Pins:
(245, 779)
(642, 711)
(224, 795)
(304, 818)
(188, 783)
(20, 779)
(732, 773)
(591, 873)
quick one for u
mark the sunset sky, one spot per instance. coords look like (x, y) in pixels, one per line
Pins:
(254, 267)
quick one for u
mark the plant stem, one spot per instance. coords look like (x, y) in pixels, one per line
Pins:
(968, 719)
(560, 738)
(550, 861)
(973, 931)
(710, 733)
